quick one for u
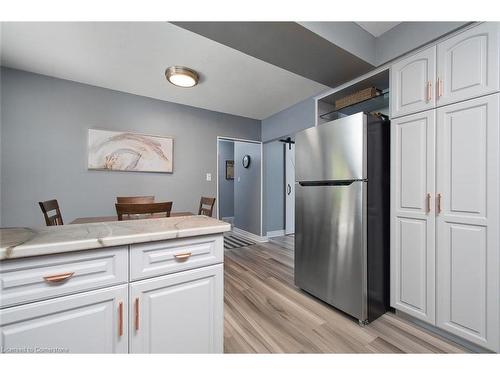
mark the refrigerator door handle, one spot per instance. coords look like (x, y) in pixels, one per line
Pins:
(330, 183)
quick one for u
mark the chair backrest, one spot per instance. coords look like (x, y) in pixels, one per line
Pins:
(139, 199)
(142, 208)
(49, 206)
(206, 206)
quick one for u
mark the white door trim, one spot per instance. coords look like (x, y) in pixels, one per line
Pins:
(289, 203)
(222, 138)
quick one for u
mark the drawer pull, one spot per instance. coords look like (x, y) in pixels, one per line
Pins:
(428, 205)
(120, 319)
(182, 256)
(58, 278)
(136, 317)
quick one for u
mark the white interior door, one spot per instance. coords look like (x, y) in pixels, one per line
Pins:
(290, 188)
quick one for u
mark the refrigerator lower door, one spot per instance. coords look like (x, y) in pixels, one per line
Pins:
(330, 246)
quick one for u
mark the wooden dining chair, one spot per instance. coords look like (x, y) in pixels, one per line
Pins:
(142, 209)
(49, 206)
(138, 199)
(206, 206)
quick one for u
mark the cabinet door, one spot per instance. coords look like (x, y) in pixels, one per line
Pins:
(468, 64)
(412, 81)
(467, 224)
(412, 215)
(178, 313)
(91, 322)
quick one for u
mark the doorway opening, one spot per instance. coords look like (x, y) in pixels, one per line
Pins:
(239, 186)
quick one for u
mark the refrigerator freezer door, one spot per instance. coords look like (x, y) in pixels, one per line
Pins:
(332, 151)
(330, 246)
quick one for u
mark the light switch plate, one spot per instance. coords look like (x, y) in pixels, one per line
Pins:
(209, 176)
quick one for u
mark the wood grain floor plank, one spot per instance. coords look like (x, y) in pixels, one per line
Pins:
(266, 313)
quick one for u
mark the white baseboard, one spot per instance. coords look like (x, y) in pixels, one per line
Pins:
(249, 235)
(276, 233)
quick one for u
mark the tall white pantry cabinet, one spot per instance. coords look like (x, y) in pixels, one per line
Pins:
(445, 165)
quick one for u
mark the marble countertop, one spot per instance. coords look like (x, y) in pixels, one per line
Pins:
(26, 242)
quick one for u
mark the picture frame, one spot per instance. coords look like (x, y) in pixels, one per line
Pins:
(110, 150)
(229, 169)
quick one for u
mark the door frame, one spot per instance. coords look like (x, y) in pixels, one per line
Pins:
(286, 186)
(232, 139)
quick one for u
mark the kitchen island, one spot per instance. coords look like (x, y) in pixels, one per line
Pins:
(141, 286)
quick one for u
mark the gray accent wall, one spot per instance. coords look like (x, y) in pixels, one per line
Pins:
(274, 186)
(226, 187)
(347, 35)
(289, 121)
(282, 124)
(44, 125)
(408, 36)
(247, 188)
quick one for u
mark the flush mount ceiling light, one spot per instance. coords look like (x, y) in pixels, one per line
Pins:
(182, 76)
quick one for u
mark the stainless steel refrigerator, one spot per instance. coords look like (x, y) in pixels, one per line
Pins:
(342, 214)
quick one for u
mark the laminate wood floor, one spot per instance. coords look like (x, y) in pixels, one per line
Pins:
(265, 313)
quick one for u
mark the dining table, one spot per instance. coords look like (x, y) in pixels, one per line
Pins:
(101, 219)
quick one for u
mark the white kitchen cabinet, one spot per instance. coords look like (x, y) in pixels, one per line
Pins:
(178, 313)
(467, 64)
(412, 215)
(467, 184)
(89, 322)
(445, 257)
(412, 83)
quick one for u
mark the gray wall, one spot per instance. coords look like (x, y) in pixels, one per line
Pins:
(347, 35)
(274, 186)
(226, 187)
(44, 147)
(247, 188)
(408, 36)
(289, 121)
(282, 124)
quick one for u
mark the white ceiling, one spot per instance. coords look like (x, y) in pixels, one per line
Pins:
(377, 28)
(132, 57)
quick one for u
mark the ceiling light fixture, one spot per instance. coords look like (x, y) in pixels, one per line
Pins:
(182, 76)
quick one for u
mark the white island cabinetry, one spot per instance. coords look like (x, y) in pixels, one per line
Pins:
(95, 301)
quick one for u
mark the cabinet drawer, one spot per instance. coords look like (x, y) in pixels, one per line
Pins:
(164, 257)
(33, 279)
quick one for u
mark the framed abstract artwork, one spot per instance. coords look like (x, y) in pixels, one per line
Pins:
(124, 151)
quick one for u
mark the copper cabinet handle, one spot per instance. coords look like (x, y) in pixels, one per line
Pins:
(136, 317)
(120, 319)
(182, 256)
(440, 87)
(428, 203)
(58, 278)
(429, 91)
(438, 208)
